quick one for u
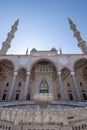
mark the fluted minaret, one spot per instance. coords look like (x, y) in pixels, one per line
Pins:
(81, 43)
(6, 45)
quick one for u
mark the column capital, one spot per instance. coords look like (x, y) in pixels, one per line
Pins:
(59, 72)
(15, 73)
(28, 72)
(72, 73)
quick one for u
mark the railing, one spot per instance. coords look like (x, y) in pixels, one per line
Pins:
(44, 98)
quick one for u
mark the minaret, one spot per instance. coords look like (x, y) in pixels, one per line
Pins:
(6, 45)
(80, 41)
(60, 50)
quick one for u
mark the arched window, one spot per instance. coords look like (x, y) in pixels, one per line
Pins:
(7, 84)
(28, 97)
(70, 94)
(81, 84)
(19, 84)
(84, 94)
(17, 95)
(68, 84)
(4, 95)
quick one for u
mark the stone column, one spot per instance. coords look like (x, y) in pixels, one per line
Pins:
(26, 85)
(61, 86)
(75, 85)
(12, 86)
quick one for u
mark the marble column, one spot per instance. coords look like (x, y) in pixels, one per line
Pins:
(61, 86)
(26, 86)
(12, 86)
(75, 85)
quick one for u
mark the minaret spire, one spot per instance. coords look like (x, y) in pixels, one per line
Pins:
(6, 45)
(81, 42)
(60, 50)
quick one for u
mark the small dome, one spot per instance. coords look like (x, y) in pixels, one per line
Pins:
(53, 49)
(33, 49)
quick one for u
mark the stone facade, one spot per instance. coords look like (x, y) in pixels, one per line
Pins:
(43, 69)
(44, 90)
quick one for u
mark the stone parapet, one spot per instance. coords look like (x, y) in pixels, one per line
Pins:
(55, 103)
(63, 119)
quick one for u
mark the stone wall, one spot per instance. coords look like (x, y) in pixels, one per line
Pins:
(66, 119)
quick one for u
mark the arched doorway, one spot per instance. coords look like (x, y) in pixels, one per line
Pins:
(44, 78)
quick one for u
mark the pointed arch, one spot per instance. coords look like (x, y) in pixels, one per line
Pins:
(6, 75)
(80, 68)
(6, 67)
(44, 61)
(43, 87)
(43, 77)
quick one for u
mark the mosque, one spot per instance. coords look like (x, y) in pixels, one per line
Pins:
(43, 90)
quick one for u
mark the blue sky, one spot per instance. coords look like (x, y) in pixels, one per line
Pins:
(43, 24)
